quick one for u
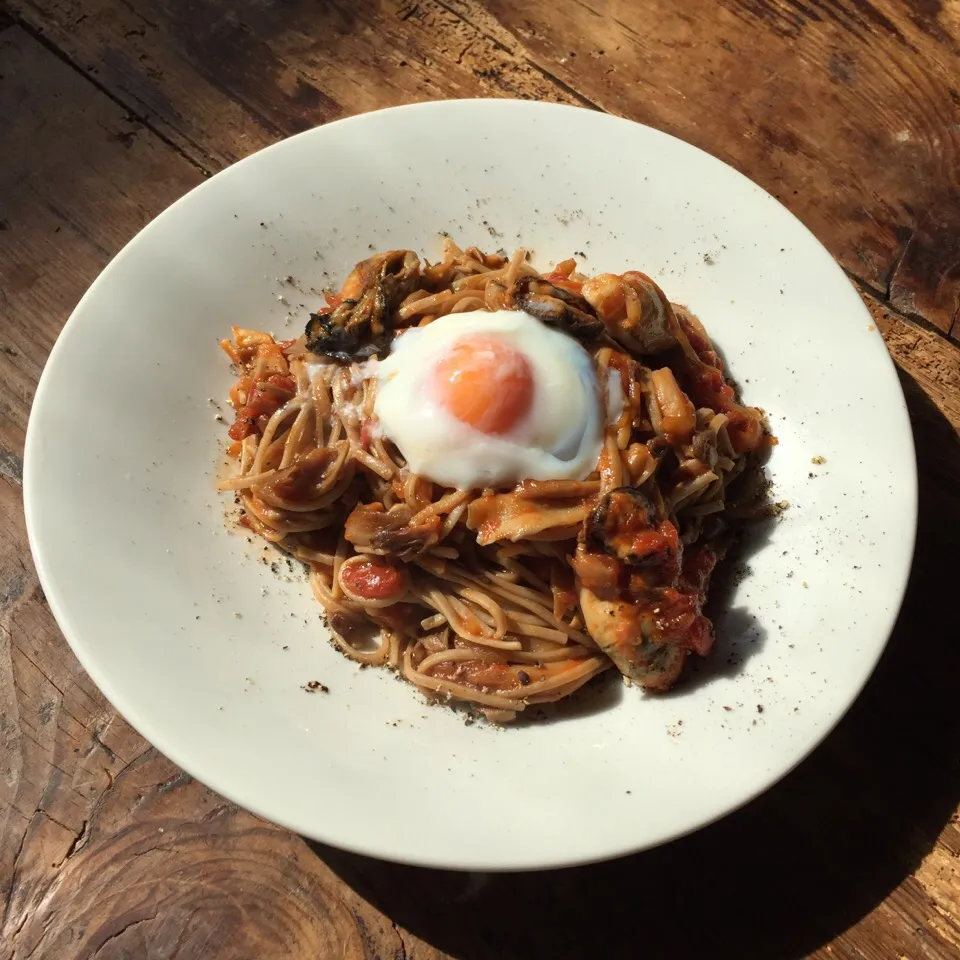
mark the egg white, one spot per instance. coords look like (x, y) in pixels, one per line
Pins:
(559, 439)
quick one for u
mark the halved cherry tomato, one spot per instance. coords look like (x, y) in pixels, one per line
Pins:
(372, 578)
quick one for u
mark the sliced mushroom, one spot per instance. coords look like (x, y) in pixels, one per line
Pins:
(634, 310)
(389, 531)
(555, 307)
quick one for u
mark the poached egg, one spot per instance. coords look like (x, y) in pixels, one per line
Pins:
(484, 399)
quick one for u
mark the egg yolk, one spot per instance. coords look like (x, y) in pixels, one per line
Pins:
(485, 383)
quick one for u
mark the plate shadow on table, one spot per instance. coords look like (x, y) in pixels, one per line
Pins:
(739, 634)
(792, 869)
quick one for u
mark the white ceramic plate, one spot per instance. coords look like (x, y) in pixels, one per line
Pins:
(205, 651)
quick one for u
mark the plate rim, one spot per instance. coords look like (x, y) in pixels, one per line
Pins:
(158, 739)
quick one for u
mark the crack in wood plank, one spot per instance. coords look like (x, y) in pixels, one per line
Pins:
(473, 14)
(564, 86)
(11, 466)
(12, 883)
(76, 843)
(880, 297)
(925, 281)
(123, 930)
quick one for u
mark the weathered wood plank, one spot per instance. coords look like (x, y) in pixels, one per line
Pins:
(848, 110)
(226, 79)
(76, 181)
(926, 282)
(164, 866)
(921, 354)
(102, 842)
(47, 206)
(106, 849)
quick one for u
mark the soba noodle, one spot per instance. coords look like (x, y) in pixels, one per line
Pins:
(483, 606)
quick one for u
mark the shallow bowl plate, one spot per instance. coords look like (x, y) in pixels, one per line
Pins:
(205, 650)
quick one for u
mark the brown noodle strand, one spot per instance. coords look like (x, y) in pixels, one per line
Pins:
(476, 621)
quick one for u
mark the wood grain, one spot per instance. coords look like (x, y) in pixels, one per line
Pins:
(239, 76)
(847, 110)
(145, 880)
(113, 108)
(106, 849)
(920, 355)
(926, 282)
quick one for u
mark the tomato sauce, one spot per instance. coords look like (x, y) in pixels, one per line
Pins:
(372, 579)
(266, 398)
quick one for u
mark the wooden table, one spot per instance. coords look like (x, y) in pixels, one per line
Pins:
(847, 110)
